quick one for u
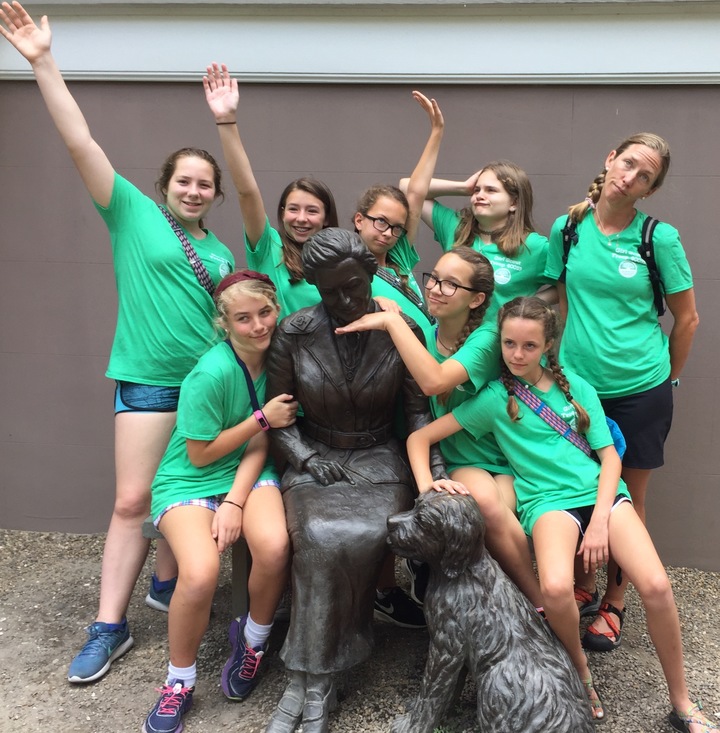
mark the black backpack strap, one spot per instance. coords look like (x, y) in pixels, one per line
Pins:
(647, 252)
(570, 238)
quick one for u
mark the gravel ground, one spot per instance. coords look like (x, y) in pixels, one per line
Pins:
(49, 586)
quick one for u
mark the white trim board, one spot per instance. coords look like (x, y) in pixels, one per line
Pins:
(391, 44)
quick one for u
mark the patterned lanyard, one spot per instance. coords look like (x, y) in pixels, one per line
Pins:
(199, 269)
(551, 417)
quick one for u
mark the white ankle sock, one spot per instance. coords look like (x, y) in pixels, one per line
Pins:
(188, 675)
(256, 634)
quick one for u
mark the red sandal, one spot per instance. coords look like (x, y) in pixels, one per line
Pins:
(599, 641)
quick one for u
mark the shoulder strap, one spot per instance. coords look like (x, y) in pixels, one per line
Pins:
(408, 292)
(570, 238)
(550, 417)
(201, 272)
(647, 252)
(251, 387)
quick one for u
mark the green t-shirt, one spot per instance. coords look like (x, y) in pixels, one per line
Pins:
(522, 274)
(213, 398)
(550, 472)
(612, 335)
(267, 258)
(165, 316)
(404, 255)
(480, 355)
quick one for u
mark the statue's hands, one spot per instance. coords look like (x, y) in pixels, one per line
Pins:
(221, 93)
(280, 411)
(447, 485)
(433, 110)
(388, 305)
(369, 322)
(32, 42)
(326, 472)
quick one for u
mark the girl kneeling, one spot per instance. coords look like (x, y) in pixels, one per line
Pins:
(213, 485)
(564, 497)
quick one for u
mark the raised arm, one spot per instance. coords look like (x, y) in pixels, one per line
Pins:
(34, 44)
(221, 93)
(441, 187)
(419, 182)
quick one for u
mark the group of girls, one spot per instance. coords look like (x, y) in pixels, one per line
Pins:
(201, 452)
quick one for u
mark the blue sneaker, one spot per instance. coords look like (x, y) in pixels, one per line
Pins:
(160, 593)
(104, 646)
(166, 717)
(239, 675)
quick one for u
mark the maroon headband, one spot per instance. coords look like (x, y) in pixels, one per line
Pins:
(238, 277)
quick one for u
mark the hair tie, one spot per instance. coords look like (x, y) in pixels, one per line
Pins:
(569, 397)
(511, 393)
(240, 276)
(590, 203)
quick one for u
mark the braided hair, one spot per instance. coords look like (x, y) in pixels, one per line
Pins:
(535, 309)
(578, 212)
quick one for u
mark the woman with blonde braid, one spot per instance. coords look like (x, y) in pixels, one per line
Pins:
(566, 500)
(612, 336)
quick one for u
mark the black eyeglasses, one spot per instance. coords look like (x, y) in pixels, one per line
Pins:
(447, 287)
(382, 225)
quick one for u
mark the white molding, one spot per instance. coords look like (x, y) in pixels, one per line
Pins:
(488, 43)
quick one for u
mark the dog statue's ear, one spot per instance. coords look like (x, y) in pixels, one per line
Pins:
(464, 534)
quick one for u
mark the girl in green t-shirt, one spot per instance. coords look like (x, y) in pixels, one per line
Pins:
(460, 360)
(612, 335)
(306, 205)
(155, 284)
(211, 488)
(567, 501)
(498, 222)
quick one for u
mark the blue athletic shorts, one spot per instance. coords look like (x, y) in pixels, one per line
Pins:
(132, 397)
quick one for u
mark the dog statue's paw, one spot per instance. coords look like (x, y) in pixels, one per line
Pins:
(401, 724)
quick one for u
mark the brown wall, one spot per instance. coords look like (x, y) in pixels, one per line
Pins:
(57, 300)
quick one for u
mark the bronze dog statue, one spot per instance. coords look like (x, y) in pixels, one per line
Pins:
(478, 619)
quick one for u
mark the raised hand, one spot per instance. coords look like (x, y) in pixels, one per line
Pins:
(432, 109)
(221, 93)
(20, 29)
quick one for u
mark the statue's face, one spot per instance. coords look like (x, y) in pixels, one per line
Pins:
(345, 290)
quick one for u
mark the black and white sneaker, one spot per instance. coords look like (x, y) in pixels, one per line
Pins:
(419, 573)
(396, 607)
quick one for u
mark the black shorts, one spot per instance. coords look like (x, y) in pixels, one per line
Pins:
(583, 514)
(645, 419)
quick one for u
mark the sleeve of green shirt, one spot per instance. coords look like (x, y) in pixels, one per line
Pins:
(445, 223)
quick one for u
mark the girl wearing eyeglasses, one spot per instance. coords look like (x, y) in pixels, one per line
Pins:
(461, 358)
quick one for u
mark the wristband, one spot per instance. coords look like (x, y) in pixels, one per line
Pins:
(262, 420)
(227, 501)
(226, 123)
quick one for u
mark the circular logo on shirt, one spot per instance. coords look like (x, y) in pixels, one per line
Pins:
(224, 268)
(502, 275)
(627, 268)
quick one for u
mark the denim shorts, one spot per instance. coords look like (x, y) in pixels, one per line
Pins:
(132, 397)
